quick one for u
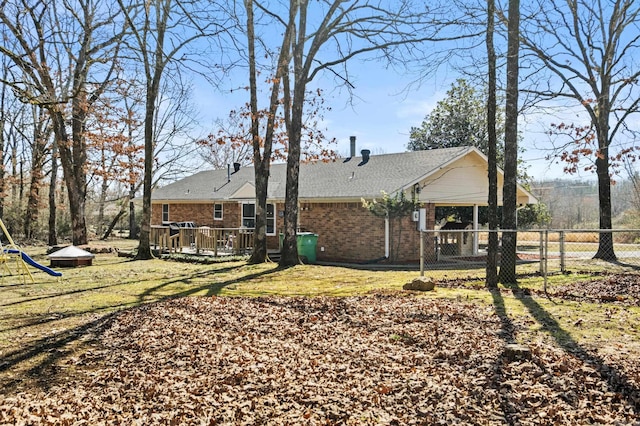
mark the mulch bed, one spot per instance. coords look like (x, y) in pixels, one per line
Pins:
(381, 359)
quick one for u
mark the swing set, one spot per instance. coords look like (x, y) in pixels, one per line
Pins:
(22, 258)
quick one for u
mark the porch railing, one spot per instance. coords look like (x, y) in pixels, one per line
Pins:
(205, 240)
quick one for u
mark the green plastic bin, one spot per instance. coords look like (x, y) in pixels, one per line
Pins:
(307, 243)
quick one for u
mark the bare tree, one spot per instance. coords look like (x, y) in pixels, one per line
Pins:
(492, 154)
(231, 143)
(52, 237)
(4, 122)
(590, 49)
(162, 33)
(322, 37)
(40, 142)
(509, 187)
(69, 43)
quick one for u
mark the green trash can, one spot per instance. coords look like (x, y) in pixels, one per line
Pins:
(307, 243)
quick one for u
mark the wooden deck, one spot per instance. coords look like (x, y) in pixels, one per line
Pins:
(202, 240)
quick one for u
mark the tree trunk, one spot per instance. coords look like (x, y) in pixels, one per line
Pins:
(492, 250)
(262, 151)
(509, 236)
(289, 255)
(102, 201)
(132, 213)
(3, 118)
(260, 160)
(33, 201)
(53, 183)
(259, 253)
(114, 221)
(37, 162)
(144, 245)
(74, 176)
(16, 199)
(605, 243)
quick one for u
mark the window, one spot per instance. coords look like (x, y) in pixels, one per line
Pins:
(217, 212)
(249, 217)
(165, 213)
(271, 219)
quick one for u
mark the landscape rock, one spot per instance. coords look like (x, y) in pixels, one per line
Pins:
(515, 352)
(420, 284)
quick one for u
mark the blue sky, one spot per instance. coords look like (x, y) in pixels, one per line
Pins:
(382, 112)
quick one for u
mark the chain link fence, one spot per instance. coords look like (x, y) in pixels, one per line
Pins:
(543, 252)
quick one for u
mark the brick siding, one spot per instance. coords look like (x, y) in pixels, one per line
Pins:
(346, 231)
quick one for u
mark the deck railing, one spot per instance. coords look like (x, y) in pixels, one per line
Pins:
(205, 240)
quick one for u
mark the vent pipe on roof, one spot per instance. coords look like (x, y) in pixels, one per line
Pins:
(236, 167)
(352, 139)
(228, 173)
(365, 155)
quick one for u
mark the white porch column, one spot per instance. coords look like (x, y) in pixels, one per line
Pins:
(475, 229)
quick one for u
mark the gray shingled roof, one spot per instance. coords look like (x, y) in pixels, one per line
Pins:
(343, 179)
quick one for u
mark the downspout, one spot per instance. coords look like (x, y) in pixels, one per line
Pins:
(386, 237)
(475, 230)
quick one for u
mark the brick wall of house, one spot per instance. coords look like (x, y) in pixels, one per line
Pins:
(201, 214)
(347, 231)
(230, 216)
(156, 214)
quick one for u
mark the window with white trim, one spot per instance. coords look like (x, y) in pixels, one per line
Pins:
(165, 213)
(249, 217)
(217, 212)
(271, 219)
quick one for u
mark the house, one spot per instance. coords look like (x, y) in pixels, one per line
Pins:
(330, 197)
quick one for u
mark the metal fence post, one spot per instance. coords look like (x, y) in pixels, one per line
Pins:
(561, 248)
(421, 253)
(541, 268)
(546, 252)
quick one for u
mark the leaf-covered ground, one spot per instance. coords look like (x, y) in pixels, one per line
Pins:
(382, 359)
(623, 288)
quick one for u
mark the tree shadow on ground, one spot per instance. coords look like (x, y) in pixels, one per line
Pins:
(631, 266)
(41, 356)
(507, 333)
(39, 361)
(212, 289)
(616, 380)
